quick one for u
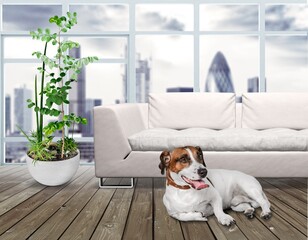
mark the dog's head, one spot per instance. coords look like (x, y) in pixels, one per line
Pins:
(186, 165)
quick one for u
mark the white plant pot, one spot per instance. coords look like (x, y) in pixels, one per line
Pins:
(53, 173)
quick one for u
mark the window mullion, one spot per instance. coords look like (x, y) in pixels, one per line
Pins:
(262, 79)
(196, 48)
(131, 81)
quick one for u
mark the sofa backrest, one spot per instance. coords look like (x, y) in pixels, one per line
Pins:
(275, 110)
(185, 110)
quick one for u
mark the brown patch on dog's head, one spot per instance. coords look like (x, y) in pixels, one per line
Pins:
(165, 158)
(176, 160)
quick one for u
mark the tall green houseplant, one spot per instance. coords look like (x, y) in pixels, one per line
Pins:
(52, 85)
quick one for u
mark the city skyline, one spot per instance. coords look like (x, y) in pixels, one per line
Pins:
(278, 17)
(171, 57)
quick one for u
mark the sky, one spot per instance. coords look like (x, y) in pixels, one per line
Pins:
(170, 56)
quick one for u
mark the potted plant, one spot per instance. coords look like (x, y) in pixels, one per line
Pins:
(54, 163)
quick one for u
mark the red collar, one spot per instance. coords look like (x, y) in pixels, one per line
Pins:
(171, 182)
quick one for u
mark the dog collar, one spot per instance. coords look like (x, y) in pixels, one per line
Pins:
(171, 182)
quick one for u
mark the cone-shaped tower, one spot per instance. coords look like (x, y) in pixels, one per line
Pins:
(219, 77)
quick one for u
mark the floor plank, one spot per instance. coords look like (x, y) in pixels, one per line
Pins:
(14, 179)
(28, 225)
(292, 183)
(80, 210)
(139, 223)
(25, 208)
(288, 189)
(85, 223)
(165, 227)
(229, 233)
(53, 228)
(252, 228)
(289, 214)
(112, 224)
(302, 180)
(281, 228)
(197, 231)
(298, 205)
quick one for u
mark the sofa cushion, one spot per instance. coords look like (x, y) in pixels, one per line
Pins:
(281, 110)
(277, 139)
(186, 110)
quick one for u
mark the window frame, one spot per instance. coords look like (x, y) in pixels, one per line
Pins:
(131, 35)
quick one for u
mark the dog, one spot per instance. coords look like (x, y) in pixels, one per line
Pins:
(194, 192)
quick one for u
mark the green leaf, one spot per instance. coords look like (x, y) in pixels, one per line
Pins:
(58, 100)
(31, 105)
(36, 109)
(29, 100)
(84, 121)
(62, 74)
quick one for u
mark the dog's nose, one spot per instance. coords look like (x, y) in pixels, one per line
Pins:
(202, 172)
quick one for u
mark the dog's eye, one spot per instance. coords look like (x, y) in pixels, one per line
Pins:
(183, 160)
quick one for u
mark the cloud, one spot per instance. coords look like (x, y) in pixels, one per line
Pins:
(286, 17)
(229, 17)
(245, 16)
(289, 49)
(162, 23)
(27, 17)
(102, 17)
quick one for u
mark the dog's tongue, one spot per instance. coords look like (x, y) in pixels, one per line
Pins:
(197, 184)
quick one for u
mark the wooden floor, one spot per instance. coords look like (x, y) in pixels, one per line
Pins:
(79, 210)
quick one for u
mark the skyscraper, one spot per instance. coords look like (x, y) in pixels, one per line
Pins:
(8, 115)
(23, 114)
(253, 84)
(89, 105)
(219, 76)
(78, 91)
(143, 80)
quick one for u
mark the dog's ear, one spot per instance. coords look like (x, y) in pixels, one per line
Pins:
(200, 155)
(165, 158)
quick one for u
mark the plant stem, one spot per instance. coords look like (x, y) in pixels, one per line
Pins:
(62, 104)
(36, 112)
(40, 133)
(73, 130)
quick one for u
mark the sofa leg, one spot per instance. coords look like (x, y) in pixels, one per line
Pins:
(102, 185)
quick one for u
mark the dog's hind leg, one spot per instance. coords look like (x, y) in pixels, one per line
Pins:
(259, 196)
(241, 204)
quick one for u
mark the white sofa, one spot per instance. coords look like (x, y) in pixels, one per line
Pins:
(266, 135)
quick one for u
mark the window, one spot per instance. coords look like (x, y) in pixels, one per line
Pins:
(152, 46)
(286, 54)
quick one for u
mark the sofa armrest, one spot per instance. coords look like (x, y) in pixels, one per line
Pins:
(113, 125)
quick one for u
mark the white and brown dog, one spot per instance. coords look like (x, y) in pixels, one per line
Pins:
(193, 192)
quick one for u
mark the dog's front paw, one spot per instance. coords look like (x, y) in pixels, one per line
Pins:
(226, 220)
